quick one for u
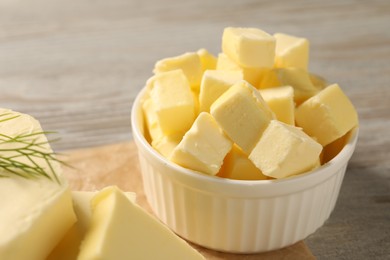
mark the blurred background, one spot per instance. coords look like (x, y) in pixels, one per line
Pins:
(78, 65)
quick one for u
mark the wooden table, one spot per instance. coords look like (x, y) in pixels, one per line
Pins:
(77, 66)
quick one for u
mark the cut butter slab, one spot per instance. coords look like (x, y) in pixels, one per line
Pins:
(243, 114)
(237, 166)
(284, 150)
(68, 248)
(36, 212)
(173, 101)
(120, 229)
(203, 147)
(252, 75)
(281, 102)
(291, 51)
(249, 47)
(328, 115)
(207, 60)
(189, 62)
(214, 84)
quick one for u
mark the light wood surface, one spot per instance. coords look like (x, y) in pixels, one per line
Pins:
(77, 66)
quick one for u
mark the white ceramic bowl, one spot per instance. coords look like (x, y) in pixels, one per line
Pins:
(238, 216)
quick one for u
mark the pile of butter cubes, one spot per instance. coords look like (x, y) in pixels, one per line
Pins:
(252, 113)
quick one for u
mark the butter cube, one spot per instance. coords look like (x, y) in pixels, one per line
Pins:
(281, 102)
(173, 102)
(207, 60)
(284, 150)
(214, 84)
(150, 115)
(328, 115)
(299, 79)
(249, 47)
(291, 51)
(189, 63)
(269, 79)
(252, 75)
(165, 144)
(203, 147)
(122, 230)
(243, 114)
(238, 166)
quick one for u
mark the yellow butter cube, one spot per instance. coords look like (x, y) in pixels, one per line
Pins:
(173, 102)
(208, 60)
(249, 47)
(243, 114)
(252, 75)
(299, 79)
(281, 102)
(150, 115)
(269, 79)
(189, 63)
(214, 84)
(203, 147)
(328, 115)
(238, 166)
(284, 150)
(291, 51)
(166, 144)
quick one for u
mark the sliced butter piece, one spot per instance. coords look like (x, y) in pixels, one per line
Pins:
(69, 246)
(37, 212)
(291, 51)
(121, 229)
(299, 79)
(189, 63)
(284, 150)
(249, 47)
(242, 114)
(281, 101)
(269, 79)
(214, 84)
(173, 102)
(154, 130)
(328, 115)
(252, 75)
(166, 144)
(207, 60)
(238, 166)
(203, 147)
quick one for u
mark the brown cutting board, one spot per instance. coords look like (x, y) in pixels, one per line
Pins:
(117, 164)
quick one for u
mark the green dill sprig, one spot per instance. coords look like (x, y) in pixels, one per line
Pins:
(27, 155)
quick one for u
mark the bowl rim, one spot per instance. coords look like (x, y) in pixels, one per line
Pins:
(209, 183)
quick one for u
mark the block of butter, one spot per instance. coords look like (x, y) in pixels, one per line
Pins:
(291, 51)
(207, 60)
(190, 63)
(252, 75)
(237, 166)
(328, 115)
(285, 150)
(203, 147)
(242, 114)
(120, 229)
(281, 102)
(173, 101)
(68, 248)
(249, 47)
(214, 84)
(36, 211)
(299, 79)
